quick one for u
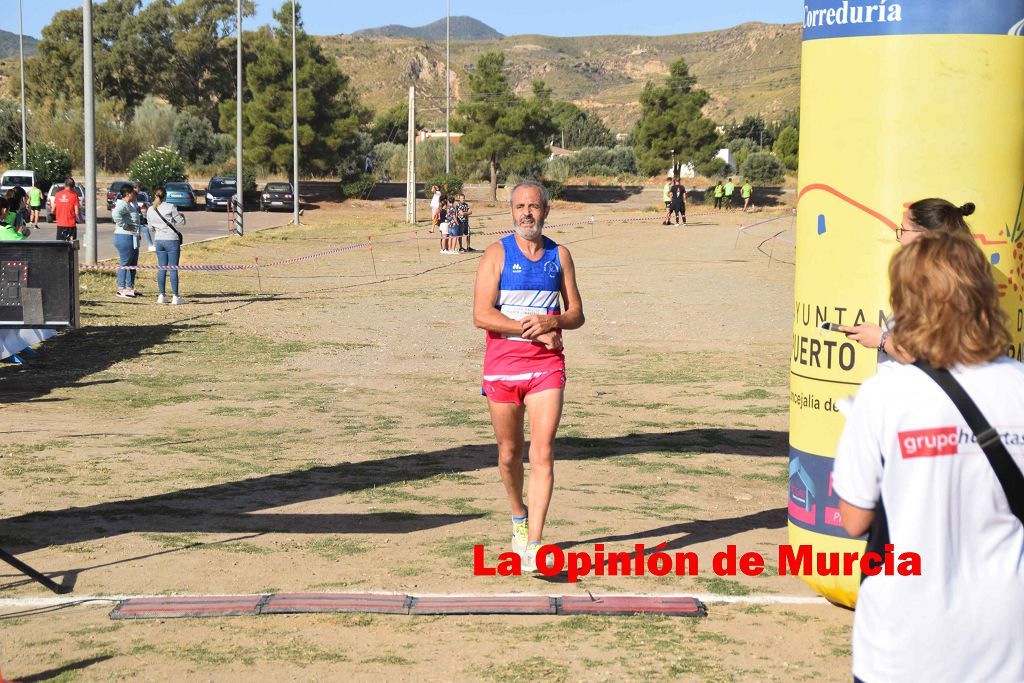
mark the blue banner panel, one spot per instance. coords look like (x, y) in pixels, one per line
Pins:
(850, 18)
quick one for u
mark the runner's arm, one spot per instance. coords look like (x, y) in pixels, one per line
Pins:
(485, 295)
(856, 521)
(572, 317)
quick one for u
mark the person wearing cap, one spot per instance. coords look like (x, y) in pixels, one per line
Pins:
(666, 196)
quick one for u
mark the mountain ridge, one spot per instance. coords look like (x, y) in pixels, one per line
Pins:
(753, 68)
(462, 28)
(9, 45)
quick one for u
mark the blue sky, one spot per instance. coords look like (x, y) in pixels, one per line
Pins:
(559, 18)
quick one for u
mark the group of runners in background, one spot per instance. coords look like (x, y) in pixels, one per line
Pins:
(674, 196)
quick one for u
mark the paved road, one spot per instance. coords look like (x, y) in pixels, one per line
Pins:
(200, 226)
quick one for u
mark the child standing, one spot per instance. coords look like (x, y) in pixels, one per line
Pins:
(442, 226)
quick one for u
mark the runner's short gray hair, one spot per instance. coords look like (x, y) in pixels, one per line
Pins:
(530, 183)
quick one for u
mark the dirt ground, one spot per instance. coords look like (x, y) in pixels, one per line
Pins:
(319, 427)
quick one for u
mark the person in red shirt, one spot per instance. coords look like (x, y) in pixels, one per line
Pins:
(66, 207)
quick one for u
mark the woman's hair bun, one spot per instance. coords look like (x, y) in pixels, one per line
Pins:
(967, 209)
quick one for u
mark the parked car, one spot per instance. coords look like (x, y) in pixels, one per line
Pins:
(277, 196)
(181, 195)
(114, 192)
(142, 199)
(54, 189)
(220, 191)
(17, 178)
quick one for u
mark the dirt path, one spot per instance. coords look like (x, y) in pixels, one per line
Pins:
(321, 429)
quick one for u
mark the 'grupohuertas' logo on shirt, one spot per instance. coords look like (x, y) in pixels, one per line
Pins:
(929, 443)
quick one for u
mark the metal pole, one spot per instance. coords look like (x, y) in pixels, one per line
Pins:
(448, 90)
(239, 183)
(295, 122)
(21, 54)
(90, 136)
(410, 173)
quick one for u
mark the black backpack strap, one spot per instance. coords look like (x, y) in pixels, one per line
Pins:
(878, 535)
(1007, 472)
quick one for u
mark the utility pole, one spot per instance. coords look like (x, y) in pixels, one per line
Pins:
(448, 90)
(410, 172)
(239, 183)
(89, 116)
(21, 54)
(295, 123)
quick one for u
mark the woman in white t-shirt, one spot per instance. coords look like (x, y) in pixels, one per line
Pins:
(920, 217)
(907, 453)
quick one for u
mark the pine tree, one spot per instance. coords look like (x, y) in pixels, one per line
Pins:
(507, 132)
(330, 118)
(671, 119)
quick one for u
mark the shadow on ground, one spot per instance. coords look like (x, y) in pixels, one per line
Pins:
(67, 358)
(234, 507)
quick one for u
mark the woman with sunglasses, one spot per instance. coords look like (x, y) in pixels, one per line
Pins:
(924, 216)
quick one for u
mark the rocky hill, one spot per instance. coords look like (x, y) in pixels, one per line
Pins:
(462, 28)
(749, 69)
(9, 44)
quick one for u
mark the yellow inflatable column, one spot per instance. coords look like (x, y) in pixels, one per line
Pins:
(899, 101)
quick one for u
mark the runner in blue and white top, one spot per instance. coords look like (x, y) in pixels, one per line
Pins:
(518, 285)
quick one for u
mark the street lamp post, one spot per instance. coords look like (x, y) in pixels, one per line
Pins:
(90, 135)
(21, 54)
(447, 89)
(239, 182)
(295, 123)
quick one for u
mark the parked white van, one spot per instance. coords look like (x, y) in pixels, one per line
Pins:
(17, 177)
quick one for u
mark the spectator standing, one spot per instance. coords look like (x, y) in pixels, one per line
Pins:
(678, 202)
(126, 241)
(442, 225)
(746, 191)
(666, 196)
(719, 194)
(66, 207)
(462, 213)
(10, 229)
(14, 218)
(142, 218)
(435, 207)
(162, 218)
(910, 469)
(729, 189)
(35, 203)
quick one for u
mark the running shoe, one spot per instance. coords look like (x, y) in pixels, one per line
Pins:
(122, 295)
(160, 299)
(520, 536)
(530, 557)
(177, 301)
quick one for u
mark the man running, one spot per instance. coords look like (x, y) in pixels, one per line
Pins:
(518, 285)
(746, 191)
(729, 189)
(35, 203)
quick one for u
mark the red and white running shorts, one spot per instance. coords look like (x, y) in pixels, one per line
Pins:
(515, 388)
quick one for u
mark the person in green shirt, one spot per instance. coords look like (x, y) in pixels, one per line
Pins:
(666, 196)
(729, 189)
(35, 203)
(719, 193)
(746, 191)
(11, 228)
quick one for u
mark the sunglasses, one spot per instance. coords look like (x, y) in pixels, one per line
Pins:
(900, 230)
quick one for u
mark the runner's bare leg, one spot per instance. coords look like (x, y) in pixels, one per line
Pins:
(545, 409)
(507, 420)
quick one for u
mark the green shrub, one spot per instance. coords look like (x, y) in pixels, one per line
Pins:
(50, 163)
(450, 184)
(358, 187)
(248, 174)
(389, 161)
(156, 167)
(712, 169)
(194, 139)
(556, 188)
(762, 167)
